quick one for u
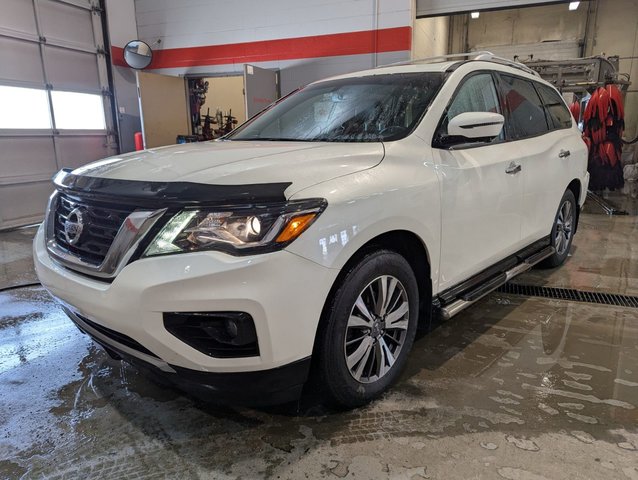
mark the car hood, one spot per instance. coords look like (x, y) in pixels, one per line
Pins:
(302, 164)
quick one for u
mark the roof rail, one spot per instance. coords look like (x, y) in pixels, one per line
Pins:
(438, 58)
(509, 63)
(479, 55)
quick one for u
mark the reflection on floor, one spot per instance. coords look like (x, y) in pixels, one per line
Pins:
(514, 388)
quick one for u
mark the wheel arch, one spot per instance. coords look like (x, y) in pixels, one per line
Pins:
(411, 247)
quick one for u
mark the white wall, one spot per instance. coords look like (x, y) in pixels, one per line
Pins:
(430, 37)
(187, 23)
(337, 36)
(122, 28)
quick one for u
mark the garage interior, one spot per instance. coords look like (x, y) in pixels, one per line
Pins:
(538, 380)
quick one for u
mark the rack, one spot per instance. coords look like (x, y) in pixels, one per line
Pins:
(581, 74)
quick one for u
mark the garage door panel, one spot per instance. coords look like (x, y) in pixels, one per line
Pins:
(26, 159)
(20, 61)
(71, 70)
(447, 7)
(17, 15)
(56, 17)
(77, 151)
(33, 200)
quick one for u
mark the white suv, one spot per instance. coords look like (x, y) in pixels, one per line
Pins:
(315, 239)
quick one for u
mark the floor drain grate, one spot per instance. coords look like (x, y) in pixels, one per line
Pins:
(570, 294)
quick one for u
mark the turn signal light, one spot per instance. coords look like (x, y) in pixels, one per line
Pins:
(295, 227)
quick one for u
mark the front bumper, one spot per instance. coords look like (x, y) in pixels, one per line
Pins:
(258, 388)
(284, 294)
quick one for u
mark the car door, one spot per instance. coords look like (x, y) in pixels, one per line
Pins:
(547, 176)
(480, 189)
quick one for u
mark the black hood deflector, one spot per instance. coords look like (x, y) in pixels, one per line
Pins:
(167, 194)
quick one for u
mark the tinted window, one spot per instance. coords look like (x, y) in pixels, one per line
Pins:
(360, 109)
(556, 109)
(476, 94)
(527, 116)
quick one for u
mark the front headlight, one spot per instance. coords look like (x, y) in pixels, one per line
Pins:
(238, 230)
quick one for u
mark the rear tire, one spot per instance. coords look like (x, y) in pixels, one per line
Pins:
(562, 231)
(368, 330)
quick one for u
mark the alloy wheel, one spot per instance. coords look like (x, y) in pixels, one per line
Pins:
(564, 223)
(376, 329)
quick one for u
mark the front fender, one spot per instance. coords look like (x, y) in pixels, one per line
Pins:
(364, 205)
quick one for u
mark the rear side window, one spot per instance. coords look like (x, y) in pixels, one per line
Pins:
(556, 109)
(477, 93)
(526, 113)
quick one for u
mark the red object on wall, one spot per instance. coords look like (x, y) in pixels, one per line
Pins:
(139, 141)
(331, 45)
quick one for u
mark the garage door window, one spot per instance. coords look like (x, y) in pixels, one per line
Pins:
(24, 108)
(78, 111)
(526, 112)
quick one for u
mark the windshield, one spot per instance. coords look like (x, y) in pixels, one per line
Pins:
(364, 109)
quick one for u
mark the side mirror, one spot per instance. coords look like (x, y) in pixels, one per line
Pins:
(476, 126)
(137, 54)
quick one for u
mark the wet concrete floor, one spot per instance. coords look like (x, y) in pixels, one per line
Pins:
(516, 388)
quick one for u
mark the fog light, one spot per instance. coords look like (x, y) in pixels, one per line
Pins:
(218, 334)
(231, 327)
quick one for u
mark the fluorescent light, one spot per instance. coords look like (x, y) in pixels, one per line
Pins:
(476, 14)
(573, 5)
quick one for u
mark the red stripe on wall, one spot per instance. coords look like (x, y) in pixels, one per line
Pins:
(332, 45)
(117, 57)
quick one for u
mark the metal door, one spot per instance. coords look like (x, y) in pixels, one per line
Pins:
(261, 88)
(163, 108)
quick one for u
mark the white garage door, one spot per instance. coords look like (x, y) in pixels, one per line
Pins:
(55, 101)
(428, 8)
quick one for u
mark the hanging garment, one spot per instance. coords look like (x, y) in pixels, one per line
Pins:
(604, 124)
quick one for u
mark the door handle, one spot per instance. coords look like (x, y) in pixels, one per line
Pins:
(564, 154)
(513, 168)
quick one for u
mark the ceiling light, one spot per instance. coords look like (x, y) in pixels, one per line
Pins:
(476, 14)
(573, 5)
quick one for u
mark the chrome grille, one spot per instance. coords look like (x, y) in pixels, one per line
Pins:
(101, 224)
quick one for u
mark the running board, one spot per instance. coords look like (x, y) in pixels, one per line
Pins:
(472, 296)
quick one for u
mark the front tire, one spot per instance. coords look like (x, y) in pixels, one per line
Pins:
(368, 329)
(562, 230)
